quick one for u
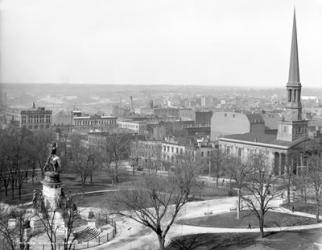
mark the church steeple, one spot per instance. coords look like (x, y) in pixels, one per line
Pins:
(294, 106)
(292, 126)
(294, 71)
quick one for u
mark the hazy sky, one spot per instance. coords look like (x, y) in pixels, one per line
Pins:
(209, 42)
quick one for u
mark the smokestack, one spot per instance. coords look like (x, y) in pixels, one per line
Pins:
(131, 105)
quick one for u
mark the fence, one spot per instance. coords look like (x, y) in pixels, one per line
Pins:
(99, 240)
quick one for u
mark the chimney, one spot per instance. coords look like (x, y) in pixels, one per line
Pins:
(131, 105)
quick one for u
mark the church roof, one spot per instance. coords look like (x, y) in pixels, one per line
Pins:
(261, 140)
(294, 70)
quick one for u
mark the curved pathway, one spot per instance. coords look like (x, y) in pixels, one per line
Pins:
(134, 236)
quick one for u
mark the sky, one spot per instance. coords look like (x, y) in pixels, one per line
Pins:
(201, 42)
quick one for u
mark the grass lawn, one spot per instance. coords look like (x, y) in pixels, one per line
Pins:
(302, 207)
(277, 241)
(212, 241)
(228, 220)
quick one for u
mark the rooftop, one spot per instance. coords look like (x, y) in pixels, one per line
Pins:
(269, 139)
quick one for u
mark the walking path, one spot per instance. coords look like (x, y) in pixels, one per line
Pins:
(132, 235)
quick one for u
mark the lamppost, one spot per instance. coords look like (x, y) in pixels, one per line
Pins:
(238, 203)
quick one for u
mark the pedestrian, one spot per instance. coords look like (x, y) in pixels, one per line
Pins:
(293, 209)
(249, 226)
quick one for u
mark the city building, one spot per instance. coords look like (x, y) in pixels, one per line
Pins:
(172, 148)
(36, 118)
(187, 114)
(146, 154)
(92, 122)
(292, 131)
(203, 117)
(166, 112)
(139, 127)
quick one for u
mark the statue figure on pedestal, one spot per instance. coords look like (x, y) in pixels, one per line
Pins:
(53, 162)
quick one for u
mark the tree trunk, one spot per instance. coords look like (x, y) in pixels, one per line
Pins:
(6, 189)
(317, 210)
(261, 227)
(161, 242)
(19, 190)
(13, 189)
(289, 192)
(116, 177)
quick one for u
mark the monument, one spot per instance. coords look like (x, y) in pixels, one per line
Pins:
(51, 201)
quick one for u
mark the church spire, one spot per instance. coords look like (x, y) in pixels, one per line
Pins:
(294, 71)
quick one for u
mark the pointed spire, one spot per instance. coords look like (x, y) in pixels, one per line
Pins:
(294, 72)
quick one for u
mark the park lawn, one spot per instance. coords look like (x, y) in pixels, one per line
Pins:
(301, 206)
(228, 220)
(276, 241)
(212, 241)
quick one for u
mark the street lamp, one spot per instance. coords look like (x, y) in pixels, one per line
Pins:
(238, 203)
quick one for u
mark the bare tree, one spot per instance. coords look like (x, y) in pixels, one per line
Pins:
(259, 184)
(72, 219)
(117, 146)
(156, 201)
(239, 173)
(81, 161)
(217, 161)
(315, 178)
(42, 139)
(12, 236)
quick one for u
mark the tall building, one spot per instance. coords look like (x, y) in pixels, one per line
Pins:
(36, 118)
(292, 131)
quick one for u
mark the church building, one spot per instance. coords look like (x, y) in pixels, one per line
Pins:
(292, 130)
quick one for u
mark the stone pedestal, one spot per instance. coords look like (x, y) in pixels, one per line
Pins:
(52, 194)
(51, 190)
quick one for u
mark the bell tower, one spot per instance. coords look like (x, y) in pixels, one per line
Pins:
(292, 126)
